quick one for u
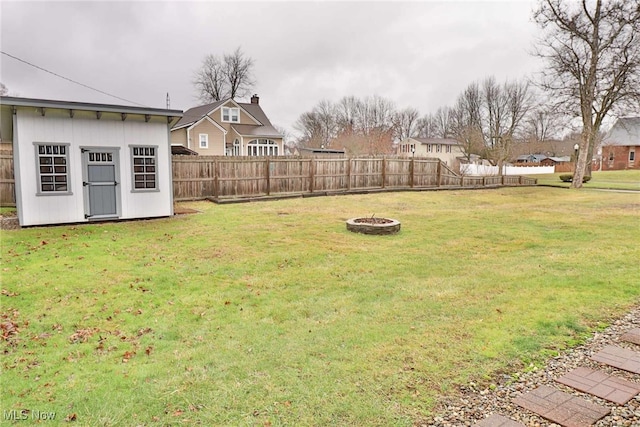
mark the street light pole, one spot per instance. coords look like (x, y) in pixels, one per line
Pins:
(576, 147)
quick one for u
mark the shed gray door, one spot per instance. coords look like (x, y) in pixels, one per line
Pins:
(101, 184)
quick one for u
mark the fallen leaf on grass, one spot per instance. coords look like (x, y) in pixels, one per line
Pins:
(9, 294)
(128, 355)
(82, 335)
(9, 329)
(71, 417)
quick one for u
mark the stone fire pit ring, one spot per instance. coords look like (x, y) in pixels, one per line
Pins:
(374, 226)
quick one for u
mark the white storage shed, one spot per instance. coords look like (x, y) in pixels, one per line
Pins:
(78, 162)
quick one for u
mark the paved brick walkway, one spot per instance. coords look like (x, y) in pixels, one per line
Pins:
(619, 357)
(632, 336)
(561, 408)
(496, 420)
(569, 410)
(600, 384)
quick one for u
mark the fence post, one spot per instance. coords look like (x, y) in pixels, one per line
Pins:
(412, 166)
(216, 177)
(268, 175)
(384, 171)
(312, 166)
(348, 173)
(439, 173)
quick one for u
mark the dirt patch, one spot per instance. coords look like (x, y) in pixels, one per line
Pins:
(181, 210)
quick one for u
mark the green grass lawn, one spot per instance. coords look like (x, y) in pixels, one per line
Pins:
(615, 180)
(272, 313)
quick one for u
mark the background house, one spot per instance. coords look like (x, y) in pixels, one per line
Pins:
(445, 149)
(620, 146)
(549, 148)
(77, 162)
(228, 128)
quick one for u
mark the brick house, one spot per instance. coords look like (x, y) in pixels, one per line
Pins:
(621, 145)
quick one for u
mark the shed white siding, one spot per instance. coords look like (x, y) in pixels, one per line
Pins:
(84, 130)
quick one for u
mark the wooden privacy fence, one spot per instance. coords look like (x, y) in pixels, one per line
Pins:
(220, 178)
(7, 183)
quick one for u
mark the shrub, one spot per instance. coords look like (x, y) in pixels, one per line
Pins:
(569, 177)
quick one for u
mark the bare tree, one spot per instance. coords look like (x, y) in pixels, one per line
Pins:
(592, 52)
(505, 108)
(405, 123)
(238, 70)
(465, 123)
(346, 112)
(544, 122)
(486, 118)
(227, 77)
(363, 126)
(3, 89)
(210, 81)
(426, 127)
(443, 122)
(312, 132)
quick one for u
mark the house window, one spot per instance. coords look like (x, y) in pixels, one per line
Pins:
(52, 168)
(231, 115)
(429, 148)
(438, 148)
(448, 148)
(145, 173)
(262, 147)
(632, 156)
(611, 156)
(204, 140)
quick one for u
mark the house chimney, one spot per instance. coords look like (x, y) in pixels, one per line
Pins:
(255, 99)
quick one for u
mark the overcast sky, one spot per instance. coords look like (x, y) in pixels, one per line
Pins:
(417, 54)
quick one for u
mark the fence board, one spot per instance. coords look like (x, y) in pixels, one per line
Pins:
(7, 183)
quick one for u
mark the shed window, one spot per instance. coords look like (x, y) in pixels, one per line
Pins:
(144, 161)
(53, 168)
(262, 147)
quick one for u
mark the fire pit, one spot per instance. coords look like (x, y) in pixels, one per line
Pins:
(372, 225)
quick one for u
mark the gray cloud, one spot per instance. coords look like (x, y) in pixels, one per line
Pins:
(419, 54)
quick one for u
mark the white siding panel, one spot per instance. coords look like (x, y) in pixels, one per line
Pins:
(50, 209)
(146, 204)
